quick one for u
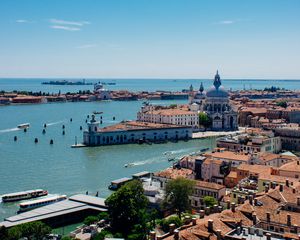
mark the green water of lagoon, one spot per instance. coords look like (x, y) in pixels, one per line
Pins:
(61, 169)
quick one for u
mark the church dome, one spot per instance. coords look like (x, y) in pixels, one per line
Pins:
(217, 90)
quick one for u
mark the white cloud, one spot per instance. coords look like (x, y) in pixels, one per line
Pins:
(224, 22)
(22, 21)
(63, 22)
(87, 46)
(66, 28)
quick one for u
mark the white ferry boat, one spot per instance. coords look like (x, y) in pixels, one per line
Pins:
(24, 125)
(18, 196)
(29, 205)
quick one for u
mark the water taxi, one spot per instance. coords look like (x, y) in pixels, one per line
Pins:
(18, 196)
(29, 205)
(24, 125)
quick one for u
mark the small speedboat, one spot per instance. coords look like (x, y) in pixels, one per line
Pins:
(128, 165)
(24, 125)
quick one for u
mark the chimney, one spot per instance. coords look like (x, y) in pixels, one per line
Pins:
(295, 228)
(233, 207)
(294, 190)
(228, 204)
(266, 188)
(251, 200)
(218, 234)
(298, 200)
(281, 188)
(288, 220)
(268, 215)
(201, 213)
(287, 183)
(273, 185)
(176, 234)
(171, 228)
(268, 236)
(152, 235)
(207, 210)
(210, 225)
(254, 218)
(255, 202)
(194, 221)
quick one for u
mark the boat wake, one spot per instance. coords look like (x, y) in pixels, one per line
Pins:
(9, 130)
(184, 150)
(55, 123)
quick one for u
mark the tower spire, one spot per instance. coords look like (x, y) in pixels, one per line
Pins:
(201, 88)
(217, 81)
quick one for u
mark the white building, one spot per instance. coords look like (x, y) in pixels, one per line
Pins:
(101, 92)
(175, 116)
(133, 132)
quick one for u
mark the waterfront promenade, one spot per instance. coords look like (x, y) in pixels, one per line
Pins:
(206, 134)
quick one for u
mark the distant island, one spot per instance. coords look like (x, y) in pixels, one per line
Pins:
(66, 82)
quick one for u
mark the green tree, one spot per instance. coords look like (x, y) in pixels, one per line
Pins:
(209, 201)
(127, 207)
(177, 194)
(204, 120)
(3, 233)
(103, 216)
(90, 220)
(33, 230)
(282, 104)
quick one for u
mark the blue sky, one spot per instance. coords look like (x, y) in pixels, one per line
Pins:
(150, 38)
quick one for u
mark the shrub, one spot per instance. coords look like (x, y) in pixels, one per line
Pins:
(173, 219)
(90, 220)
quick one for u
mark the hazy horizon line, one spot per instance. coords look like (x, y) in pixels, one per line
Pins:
(149, 78)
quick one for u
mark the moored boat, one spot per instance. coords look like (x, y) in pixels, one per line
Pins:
(18, 196)
(29, 205)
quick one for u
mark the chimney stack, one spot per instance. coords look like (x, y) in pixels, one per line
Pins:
(254, 218)
(268, 236)
(268, 215)
(210, 225)
(171, 228)
(194, 221)
(255, 202)
(176, 234)
(281, 188)
(152, 235)
(228, 204)
(288, 220)
(287, 183)
(298, 200)
(266, 188)
(201, 213)
(233, 207)
(218, 234)
(251, 200)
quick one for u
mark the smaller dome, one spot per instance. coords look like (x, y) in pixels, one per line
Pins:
(199, 95)
(217, 92)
